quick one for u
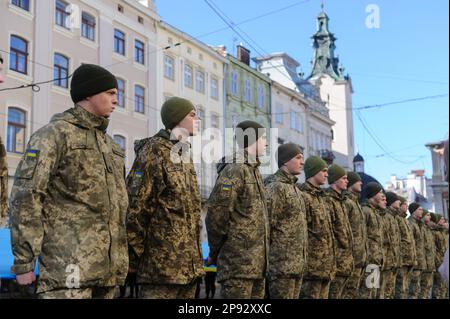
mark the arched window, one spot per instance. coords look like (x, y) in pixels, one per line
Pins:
(121, 93)
(18, 55)
(139, 99)
(61, 70)
(16, 130)
(119, 139)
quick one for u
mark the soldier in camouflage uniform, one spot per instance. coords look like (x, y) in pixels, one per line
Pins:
(343, 237)
(68, 202)
(439, 284)
(3, 170)
(417, 227)
(375, 233)
(321, 260)
(389, 275)
(407, 252)
(357, 221)
(237, 220)
(163, 220)
(288, 229)
(426, 279)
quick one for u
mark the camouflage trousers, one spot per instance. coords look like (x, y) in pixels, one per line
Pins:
(315, 289)
(426, 284)
(168, 291)
(387, 284)
(402, 282)
(414, 284)
(337, 287)
(440, 287)
(285, 288)
(237, 288)
(351, 290)
(82, 293)
(370, 284)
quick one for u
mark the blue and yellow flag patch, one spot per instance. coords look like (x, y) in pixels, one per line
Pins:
(139, 174)
(226, 187)
(32, 153)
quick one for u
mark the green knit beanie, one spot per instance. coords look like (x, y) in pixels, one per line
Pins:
(174, 110)
(353, 177)
(248, 132)
(372, 189)
(286, 152)
(413, 207)
(335, 172)
(314, 165)
(391, 198)
(435, 218)
(403, 200)
(89, 80)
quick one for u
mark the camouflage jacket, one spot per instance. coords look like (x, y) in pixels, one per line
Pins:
(321, 261)
(430, 249)
(408, 255)
(375, 235)
(440, 244)
(357, 221)
(288, 229)
(418, 232)
(389, 241)
(343, 237)
(3, 182)
(164, 215)
(68, 204)
(394, 233)
(237, 220)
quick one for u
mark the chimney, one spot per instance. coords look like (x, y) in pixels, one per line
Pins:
(243, 54)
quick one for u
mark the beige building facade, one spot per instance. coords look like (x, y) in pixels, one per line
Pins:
(49, 39)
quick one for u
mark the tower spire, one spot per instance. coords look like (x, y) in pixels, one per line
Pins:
(325, 61)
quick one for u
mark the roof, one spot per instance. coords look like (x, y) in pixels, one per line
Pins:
(358, 158)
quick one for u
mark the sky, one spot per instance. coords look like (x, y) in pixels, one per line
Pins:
(404, 57)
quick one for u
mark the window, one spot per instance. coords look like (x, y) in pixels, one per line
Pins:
(214, 88)
(139, 99)
(61, 70)
(261, 97)
(121, 141)
(121, 93)
(234, 83)
(119, 42)
(16, 131)
(200, 81)
(299, 123)
(120, 8)
(201, 117)
(23, 4)
(169, 67)
(214, 121)
(18, 58)
(139, 52)
(279, 114)
(248, 91)
(188, 76)
(61, 14)
(140, 20)
(293, 126)
(88, 26)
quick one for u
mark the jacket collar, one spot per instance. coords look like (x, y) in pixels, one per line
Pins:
(286, 178)
(82, 118)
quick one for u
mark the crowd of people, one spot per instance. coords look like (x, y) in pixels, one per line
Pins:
(89, 227)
